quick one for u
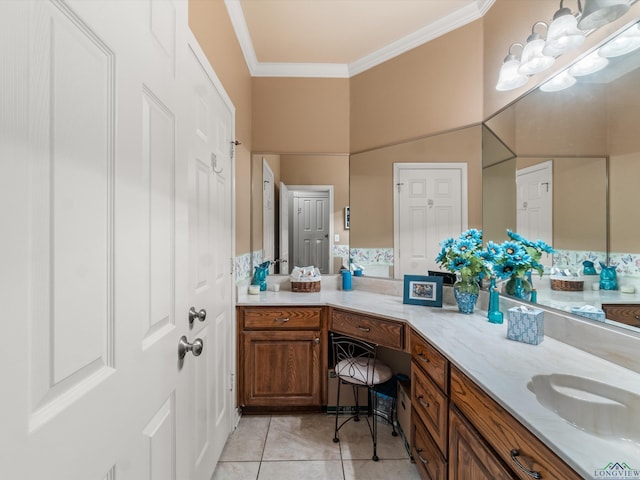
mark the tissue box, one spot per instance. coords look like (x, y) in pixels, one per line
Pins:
(595, 315)
(525, 325)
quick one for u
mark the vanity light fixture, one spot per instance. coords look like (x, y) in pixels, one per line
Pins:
(563, 34)
(626, 42)
(533, 60)
(561, 81)
(510, 78)
(592, 63)
(597, 13)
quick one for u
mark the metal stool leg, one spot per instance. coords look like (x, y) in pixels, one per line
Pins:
(374, 433)
(335, 433)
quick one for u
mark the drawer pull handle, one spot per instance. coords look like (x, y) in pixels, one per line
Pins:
(424, 404)
(364, 329)
(514, 457)
(423, 358)
(283, 320)
(419, 451)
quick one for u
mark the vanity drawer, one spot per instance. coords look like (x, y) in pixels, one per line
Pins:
(429, 461)
(430, 360)
(370, 329)
(282, 318)
(628, 313)
(504, 433)
(431, 405)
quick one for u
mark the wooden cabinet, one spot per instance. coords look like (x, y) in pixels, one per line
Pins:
(281, 358)
(508, 438)
(628, 313)
(430, 409)
(469, 454)
(370, 329)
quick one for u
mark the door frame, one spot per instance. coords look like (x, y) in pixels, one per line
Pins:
(268, 173)
(464, 197)
(311, 188)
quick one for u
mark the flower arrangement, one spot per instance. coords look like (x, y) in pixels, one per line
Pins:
(463, 255)
(516, 256)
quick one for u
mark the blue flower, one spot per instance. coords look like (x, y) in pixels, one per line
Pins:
(474, 235)
(442, 256)
(447, 243)
(504, 270)
(458, 263)
(512, 249)
(463, 246)
(545, 247)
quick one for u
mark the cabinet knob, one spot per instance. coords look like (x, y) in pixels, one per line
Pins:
(316, 341)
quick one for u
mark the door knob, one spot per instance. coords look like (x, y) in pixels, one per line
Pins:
(201, 315)
(184, 346)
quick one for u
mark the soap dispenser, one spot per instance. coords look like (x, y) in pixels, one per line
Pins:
(608, 277)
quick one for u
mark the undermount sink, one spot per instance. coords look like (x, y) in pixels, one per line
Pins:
(589, 405)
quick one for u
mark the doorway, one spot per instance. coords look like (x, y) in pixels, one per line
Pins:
(309, 225)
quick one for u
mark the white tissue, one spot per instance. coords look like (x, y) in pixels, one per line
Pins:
(588, 308)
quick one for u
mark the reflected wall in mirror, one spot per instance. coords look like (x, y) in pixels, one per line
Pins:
(589, 133)
(304, 221)
(372, 193)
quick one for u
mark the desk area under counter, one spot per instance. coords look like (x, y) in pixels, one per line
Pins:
(486, 371)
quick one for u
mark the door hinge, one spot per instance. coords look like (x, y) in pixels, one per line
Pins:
(399, 185)
(232, 375)
(232, 265)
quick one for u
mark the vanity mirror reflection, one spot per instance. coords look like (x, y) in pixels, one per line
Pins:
(588, 137)
(297, 211)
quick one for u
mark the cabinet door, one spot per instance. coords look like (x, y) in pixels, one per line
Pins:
(469, 456)
(282, 368)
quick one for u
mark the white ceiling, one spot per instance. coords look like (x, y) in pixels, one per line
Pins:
(340, 38)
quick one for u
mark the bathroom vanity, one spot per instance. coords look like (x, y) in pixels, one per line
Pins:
(473, 411)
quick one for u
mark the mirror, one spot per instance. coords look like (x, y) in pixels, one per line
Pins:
(316, 189)
(372, 194)
(588, 135)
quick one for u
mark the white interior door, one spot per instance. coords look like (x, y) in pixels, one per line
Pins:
(284, 229)
(312, 229)
(430, 205)
(534, 212)
(210, 381)
(96, 260)
(268, 214)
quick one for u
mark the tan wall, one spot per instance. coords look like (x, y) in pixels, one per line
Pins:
(372, 181)
(212, 27)
(301, 115)
(430, 89)
(498, 201)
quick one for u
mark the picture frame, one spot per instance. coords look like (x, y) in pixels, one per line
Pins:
(423, 290)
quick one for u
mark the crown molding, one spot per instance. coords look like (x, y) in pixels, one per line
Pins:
(434, 30)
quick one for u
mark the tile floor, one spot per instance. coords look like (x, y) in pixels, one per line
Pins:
(301, 446)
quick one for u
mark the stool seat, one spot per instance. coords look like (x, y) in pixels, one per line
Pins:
(363, 371)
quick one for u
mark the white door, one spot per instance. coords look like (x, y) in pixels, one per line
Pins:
(311, 229)
(211, 122)
(94, 244)
(430, 205)
(284, 229)
(534, 199)
(268, 214)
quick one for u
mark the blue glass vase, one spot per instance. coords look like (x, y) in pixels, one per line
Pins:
(518, 287)
(466, 292)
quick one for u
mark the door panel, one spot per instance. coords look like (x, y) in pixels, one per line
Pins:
(430, 206)
(311, 229)
(534, 213)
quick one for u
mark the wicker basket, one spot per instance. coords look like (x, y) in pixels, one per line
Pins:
(305, 287)
(567, 285)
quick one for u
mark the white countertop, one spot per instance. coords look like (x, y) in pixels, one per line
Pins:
(500, 366)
